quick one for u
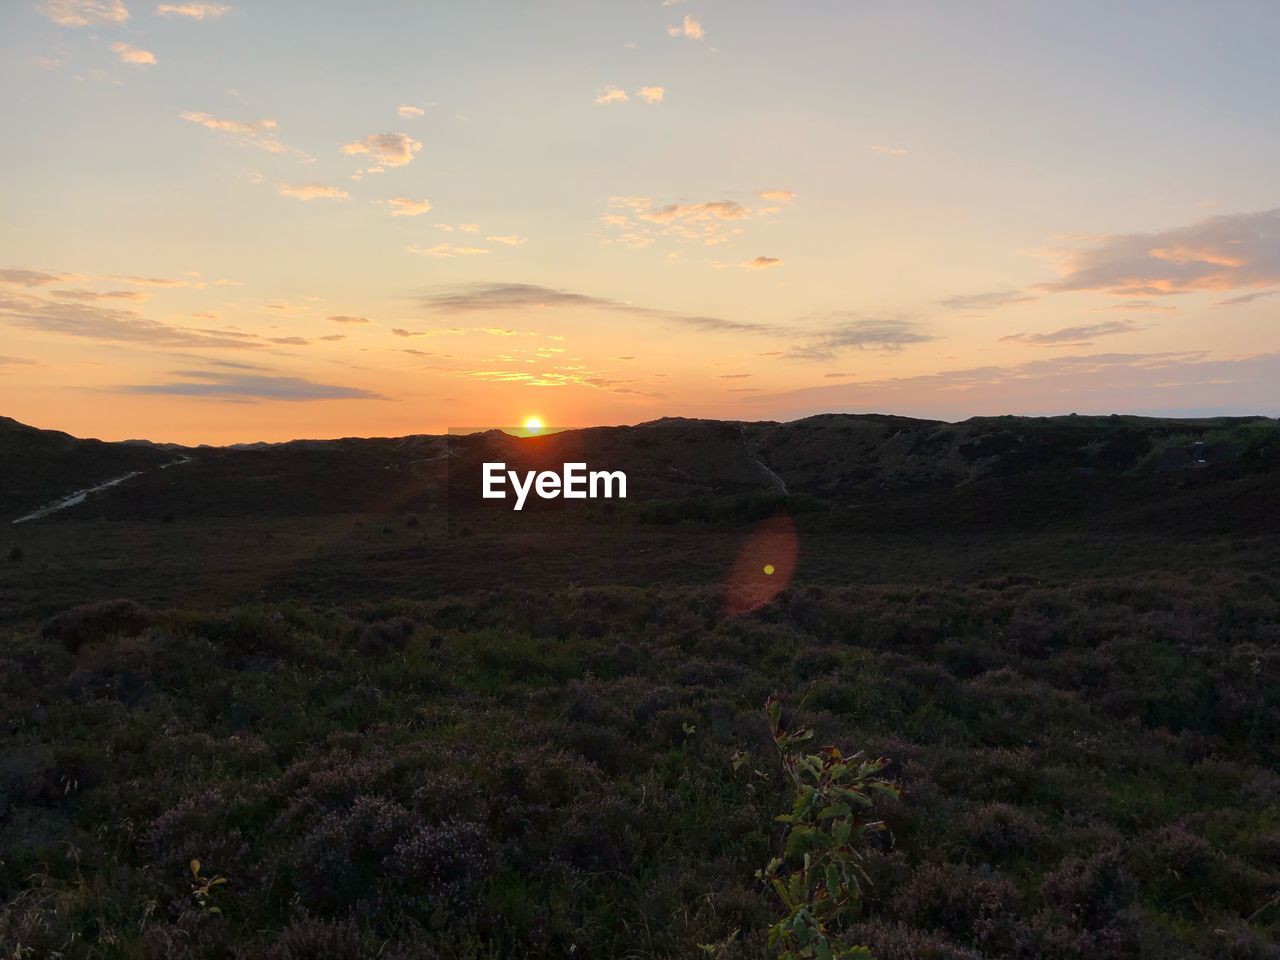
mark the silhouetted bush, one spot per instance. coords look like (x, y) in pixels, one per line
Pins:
(95, 623)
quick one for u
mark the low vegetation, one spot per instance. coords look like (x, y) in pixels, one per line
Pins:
(1087, 769)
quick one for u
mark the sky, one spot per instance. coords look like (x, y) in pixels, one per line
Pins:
(241, 221)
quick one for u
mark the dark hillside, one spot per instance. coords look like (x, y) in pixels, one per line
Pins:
(39, 466)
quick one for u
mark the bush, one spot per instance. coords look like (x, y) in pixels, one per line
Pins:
(95, 623)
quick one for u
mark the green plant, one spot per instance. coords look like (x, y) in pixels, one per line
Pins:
(202, 888)
(819, 877)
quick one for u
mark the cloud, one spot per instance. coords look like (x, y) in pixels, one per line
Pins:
(612, 95)
(690, 28)
(290, 341)
(734, 376)
(847, 331)
(447, 250)
(406, 207)
(762, 263)
(1229, 252)
(15, 362)
(342, 318)
(696, 212)
(82, 13)
(527, 296)
(387, 149)
(1245, 298)
(333, 337)
(652, 94)
(1141, 306)
(134, 55)
(248, 387)
(710, 222)
(137, 296)
(312, 191)
(818, 337)
(108, 325)
(256, 133)
(409, 112)
(1161, 384)
(196, 11)
(32, 278)
(887, 151)
(164, 282)
(1080, 336)
(777, 196)
(987, 301)
(510, 241)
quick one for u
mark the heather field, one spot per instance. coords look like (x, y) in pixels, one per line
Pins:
(1086, 770)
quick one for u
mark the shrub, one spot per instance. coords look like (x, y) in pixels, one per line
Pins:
(818, 879)
(94, 623)
(312, 939)
(969, 905)
(384, 636)
(1091, 890)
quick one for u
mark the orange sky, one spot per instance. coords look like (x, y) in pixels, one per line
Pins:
(246, 221)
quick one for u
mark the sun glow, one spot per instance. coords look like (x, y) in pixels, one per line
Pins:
(533, 425)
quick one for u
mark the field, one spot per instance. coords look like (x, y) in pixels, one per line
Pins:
(359, 725)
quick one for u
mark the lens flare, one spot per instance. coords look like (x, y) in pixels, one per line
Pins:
(533, 425)
(764, 566)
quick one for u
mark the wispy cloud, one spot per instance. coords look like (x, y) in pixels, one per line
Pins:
(256, 133)
(109, 324)
(1245, 298)
(641, 220)
(447, 250)
(777, 196)
(527, 296)
(1157, 383)
(343, 318)
(1141, 306)
(508, 241)
(1080, 336)
(136, 296)
(195, 11)
(611, 95)
(652, 94)
(762, 263)
(816, 338)
(1227, 252)
(134, 55)
(312, 191)
(387, 149)
(82, 13)
(690, 28)
(888, 151)
(409, 112)
(6, 362)
(33, 278)
(840, 332)
(407, 207)
(987, 301)
(248, 387)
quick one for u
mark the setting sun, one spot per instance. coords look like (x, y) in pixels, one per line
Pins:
(533, 424)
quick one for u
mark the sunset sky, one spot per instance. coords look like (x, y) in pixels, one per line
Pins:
(262, 220)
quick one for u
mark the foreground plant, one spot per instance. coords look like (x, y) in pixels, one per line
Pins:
(819, 877)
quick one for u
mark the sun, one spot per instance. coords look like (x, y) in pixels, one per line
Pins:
(533, 424)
